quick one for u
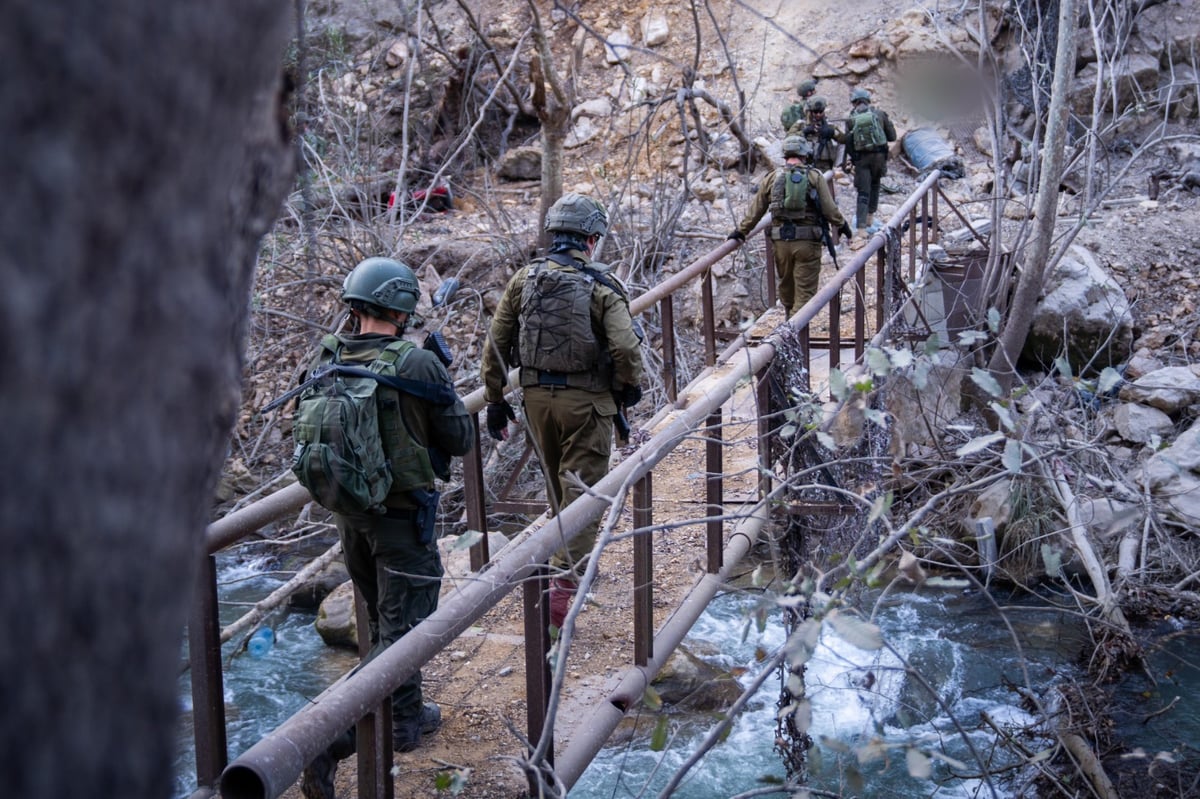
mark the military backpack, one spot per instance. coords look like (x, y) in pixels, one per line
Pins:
(866, 131)
(341, 455)
(796, 112)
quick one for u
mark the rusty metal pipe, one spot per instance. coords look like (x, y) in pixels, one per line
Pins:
(592, 733)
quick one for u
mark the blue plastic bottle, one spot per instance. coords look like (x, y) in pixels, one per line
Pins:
(260, 642)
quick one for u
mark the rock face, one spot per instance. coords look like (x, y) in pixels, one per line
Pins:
(1173, 476)
(1084, 314)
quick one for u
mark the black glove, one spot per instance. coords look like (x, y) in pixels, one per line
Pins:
(628, 396)
(827, 131)
(809, 130)
(737, 234)
(845, 230)
(499, 414)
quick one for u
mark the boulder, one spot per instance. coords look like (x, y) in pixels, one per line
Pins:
(1170, 476)
(1141, 424)
(655, 28)
(1170, 390)
(336, 622)
(521, 163)
(1083, 300)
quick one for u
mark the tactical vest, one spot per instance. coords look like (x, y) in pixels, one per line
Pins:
(557, 343)
(408, 458)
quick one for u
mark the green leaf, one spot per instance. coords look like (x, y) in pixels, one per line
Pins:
(864, 384)
(993, 320)
(968, 337)
(876, 417)
(984, 380)
(919, 766)
(1109, 379)
(651, 699)
(467, 540)
(900, 359)
(1063, 366)
(826, 440)
(837, 384)
(802, 716)
(978, 444)
(920, 374)
(878, 362)
(1012, 456)
(802, 643)
(933, 344)
(881, 505)
(787, 431)
(855, 631)
(658, 738)
(1004, 415)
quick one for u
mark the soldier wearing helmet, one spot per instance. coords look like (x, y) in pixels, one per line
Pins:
(392, 556)
(798, 112)
(824, 137)
(564, 320)
(868, 132)
(802, 214)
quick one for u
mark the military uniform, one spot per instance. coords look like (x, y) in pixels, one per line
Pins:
(569, 415)
(870, 166)
(795, 236)
(398, 573)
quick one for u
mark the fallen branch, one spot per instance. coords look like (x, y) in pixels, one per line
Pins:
(280, 594)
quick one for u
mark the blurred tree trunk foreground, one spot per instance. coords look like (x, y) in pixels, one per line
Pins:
(145, 154)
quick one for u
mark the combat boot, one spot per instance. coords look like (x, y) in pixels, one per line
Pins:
(406, 733)
(316, 782)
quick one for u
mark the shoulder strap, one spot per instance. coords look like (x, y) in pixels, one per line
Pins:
(563, 259)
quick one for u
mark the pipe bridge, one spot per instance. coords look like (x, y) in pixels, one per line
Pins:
(734, 374)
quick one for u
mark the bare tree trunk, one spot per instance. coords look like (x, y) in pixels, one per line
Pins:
(1029, 284)
(552, 97)
(144, 157)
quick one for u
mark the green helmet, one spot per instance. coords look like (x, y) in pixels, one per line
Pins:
(575, 213)
(383, 282)
(817, 104)
(860, 96)
(796, 147)
(807, 87)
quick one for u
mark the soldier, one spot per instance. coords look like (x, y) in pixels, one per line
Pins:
(823, 137)
(802, 211)
(392, 556)
(564, 319)
(798, 112)
(868, 131)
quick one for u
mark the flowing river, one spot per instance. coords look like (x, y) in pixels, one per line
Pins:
(949, 682)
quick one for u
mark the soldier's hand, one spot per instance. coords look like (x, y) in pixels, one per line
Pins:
(499, 414)
(629, 396)
(828, 131)
(845, 230)
(737, 235)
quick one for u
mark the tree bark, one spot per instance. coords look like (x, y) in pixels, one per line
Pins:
(144, 156)
(1033, 270)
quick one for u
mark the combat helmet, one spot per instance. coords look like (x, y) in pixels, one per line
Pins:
(860, 95)
(576, 213)
(382, 282)
(806, 87)
(796, 147)
(818, 103)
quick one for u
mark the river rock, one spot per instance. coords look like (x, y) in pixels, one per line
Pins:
(336, 622)
(691, 682)
(1170, 390)
(1142, 363)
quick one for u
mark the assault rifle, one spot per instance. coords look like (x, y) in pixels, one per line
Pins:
(823, 222)
(622, 425)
